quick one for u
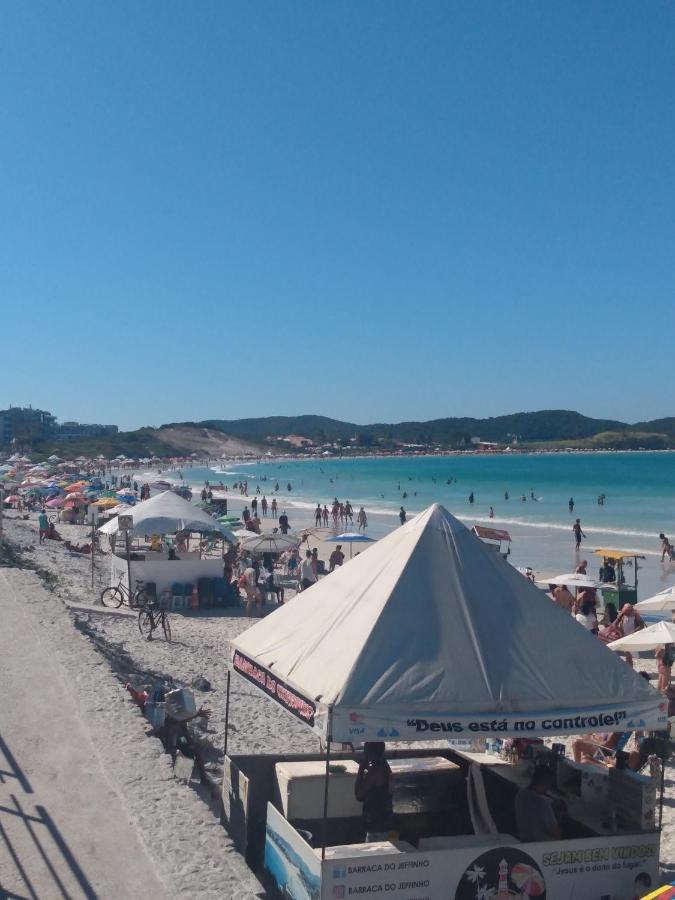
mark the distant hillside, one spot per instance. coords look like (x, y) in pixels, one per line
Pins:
(546, 425)
(662, 426)
(171, 440)
(235, 437)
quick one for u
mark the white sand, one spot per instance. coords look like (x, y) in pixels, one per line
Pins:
(199, 649)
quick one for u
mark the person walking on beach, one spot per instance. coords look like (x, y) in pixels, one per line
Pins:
(402, 516)
(318, 515)
(254, 505)
(666, 549)
(324, 515)
(284, 524)
(578, 534)
(362, 520)
(263, 506)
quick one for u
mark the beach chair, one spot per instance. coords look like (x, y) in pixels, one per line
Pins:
(206, 592)
(219, 591)
(177, 595)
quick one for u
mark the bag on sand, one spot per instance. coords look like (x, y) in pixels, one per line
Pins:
(180, 704)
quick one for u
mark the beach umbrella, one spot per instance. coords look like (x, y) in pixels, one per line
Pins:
(56, 503)
(646, 639)
(350, 537)
(106, 502)
(661, 602)
(13, 498)
(269, 543)
(573, 580)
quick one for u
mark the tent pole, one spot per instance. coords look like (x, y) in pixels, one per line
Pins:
(324, 824)
(227, 710)
(663, 779)
(126, 542)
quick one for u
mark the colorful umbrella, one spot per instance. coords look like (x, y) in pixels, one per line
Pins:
(527, 879)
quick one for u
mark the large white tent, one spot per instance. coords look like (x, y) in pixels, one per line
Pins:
(166, 513)
(433, 634)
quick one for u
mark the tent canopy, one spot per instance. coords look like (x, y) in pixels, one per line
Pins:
(166, 513)
(431, 633)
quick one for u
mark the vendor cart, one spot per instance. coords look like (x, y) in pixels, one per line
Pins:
(619, 575)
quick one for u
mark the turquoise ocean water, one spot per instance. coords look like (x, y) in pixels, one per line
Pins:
(639, 490)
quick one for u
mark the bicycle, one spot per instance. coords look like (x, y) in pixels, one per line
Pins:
(116, 595)
(151, 618)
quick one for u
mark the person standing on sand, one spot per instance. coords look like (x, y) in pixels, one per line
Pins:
(274, 506)
(307, 575)
(284, 524)
(578, 534)
(254, 505)
(324, 515)
(563, 598)
(628, 622)
(362, 520)
(263, 506)
(43, 526)
(318, 515)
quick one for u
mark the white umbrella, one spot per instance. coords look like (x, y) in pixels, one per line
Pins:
(573, 580)
(269, 543)
(646, 639)
(661, 602)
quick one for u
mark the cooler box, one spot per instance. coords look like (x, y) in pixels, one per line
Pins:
(300, 788)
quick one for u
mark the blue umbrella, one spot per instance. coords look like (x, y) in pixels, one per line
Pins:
(351, 537)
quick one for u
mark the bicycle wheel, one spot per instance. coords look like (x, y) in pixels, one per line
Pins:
(112, 597)
(166, 627)
(146, 623)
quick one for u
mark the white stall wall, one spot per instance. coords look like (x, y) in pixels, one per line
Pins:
(164, 572)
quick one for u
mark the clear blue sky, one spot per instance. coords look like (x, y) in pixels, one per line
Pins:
(372, 210)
